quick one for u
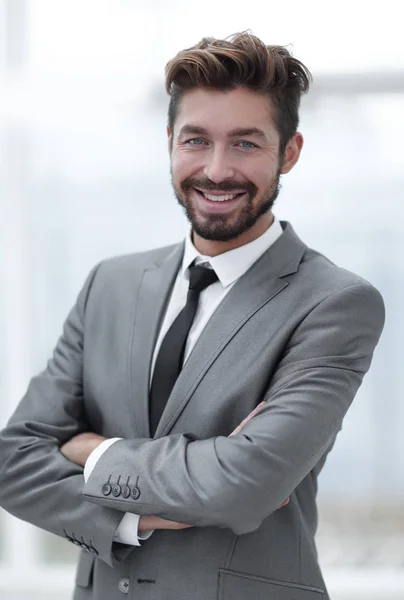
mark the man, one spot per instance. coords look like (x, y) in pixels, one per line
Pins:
(150, 383)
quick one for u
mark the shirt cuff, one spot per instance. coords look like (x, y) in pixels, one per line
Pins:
(127, 531)
(96, 455)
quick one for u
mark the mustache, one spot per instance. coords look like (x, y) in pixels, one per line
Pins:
(224, 186)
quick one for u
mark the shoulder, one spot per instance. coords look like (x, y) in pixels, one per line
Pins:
(131, 264)
(309, 272)
(334, 288)
(139, 259)
(314, 280)
(308, 269)
(119, 275)
(327, 278)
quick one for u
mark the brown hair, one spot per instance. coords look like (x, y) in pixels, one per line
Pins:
(242, 60)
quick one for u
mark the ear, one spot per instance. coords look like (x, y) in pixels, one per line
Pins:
(292, 152)
(170, 139)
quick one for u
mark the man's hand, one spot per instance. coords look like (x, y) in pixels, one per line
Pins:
(147, 522)
(79, 448)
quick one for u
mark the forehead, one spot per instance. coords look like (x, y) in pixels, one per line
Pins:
(224, 111)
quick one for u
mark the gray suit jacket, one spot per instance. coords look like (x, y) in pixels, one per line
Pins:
(296, 331)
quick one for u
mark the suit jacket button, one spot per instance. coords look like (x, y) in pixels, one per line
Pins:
(106, 489)
(135, 493)
(124, 585)
(125, 491)
(116, 490)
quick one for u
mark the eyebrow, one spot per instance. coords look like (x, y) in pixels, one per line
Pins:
(238, 132)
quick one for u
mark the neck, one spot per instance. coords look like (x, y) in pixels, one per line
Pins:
(214, 248)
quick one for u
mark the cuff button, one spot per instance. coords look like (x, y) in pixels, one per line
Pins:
(116, 490)
(125, 491)
(106, 489)
(135, 493)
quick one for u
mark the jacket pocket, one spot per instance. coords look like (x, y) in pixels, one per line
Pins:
(85, 568)
(234, 585)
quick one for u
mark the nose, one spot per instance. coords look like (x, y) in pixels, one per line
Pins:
(218, 166)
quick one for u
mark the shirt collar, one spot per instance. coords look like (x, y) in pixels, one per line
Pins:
(231, 265)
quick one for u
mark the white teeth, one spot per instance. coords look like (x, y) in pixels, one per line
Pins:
(219, 198)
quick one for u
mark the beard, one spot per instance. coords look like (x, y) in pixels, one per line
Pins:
(224, 227)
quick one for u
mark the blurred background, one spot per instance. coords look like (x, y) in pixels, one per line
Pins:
(84, 174)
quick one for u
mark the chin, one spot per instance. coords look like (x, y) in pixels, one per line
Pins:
(215, 234)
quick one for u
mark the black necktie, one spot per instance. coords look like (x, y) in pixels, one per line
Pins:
(171, 354)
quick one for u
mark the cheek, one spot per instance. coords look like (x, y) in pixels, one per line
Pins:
(259, 170)
(263, 177)
(184, 164)
(259, 178)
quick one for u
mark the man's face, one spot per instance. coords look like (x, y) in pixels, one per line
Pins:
(225, 162)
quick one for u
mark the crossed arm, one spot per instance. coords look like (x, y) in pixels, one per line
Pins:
(231, 482)
(237, 481)
(79, 448)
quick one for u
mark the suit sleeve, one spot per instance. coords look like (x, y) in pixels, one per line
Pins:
(236, 482)
(37, 483)
(128, 529)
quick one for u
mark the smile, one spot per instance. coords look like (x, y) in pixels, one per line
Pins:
(218, 202)
(217, 197)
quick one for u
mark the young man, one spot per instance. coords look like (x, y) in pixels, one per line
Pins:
(167, 351)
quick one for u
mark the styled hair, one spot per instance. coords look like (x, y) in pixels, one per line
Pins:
(242, 60)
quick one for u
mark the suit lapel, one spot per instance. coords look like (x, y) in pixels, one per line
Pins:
(153, 294)
(262, 282)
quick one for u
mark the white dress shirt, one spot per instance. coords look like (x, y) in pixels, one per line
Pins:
(229, 267)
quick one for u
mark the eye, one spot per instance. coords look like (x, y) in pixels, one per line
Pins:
(245, 144)
(195, 142)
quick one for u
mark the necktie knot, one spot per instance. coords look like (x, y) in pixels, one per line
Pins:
(201, 277)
